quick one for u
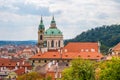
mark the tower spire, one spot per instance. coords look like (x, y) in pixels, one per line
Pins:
(41, 21)
(41, 25)
(53, 20)
(53, 23)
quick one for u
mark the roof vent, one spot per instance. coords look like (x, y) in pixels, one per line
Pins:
(79, 56)
(39, 55)
(66, 55)
(88, 56)
(98, 56)
(54, 55)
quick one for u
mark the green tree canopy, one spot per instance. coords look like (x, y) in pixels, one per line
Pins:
(79, 70)
(110, 70)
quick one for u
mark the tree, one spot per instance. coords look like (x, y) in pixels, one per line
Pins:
(30, 76)
(79, 70)
(110, 70)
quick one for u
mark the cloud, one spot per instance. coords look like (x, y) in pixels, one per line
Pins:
(72, 16)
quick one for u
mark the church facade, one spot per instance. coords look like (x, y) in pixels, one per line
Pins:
(51, 38)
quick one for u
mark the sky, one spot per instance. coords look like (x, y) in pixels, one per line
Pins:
(19, 19)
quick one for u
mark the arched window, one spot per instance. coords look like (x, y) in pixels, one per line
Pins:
(52, 43)
(41, 37)
(59, 44)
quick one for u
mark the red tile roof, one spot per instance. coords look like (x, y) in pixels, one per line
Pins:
(117, 47)
(49, 55)
(84, 55)
(13, 63)
(85, 50)
(79, 46)
(20, 71)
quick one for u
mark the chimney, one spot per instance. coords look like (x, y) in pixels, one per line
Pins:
(18, 63)
(23, 62)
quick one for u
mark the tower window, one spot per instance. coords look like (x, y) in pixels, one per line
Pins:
(52, 43)
(59, 44)
(41, 31)
(41, 37)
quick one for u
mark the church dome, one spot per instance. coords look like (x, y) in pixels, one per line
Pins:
(53, 31)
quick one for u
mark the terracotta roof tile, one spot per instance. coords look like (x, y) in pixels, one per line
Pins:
(20, 71)
(81, 46)
(117, 47)
(49, 55)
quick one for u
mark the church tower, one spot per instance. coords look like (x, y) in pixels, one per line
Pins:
(41, 30)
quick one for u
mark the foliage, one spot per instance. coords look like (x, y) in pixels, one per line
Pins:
(108, 36)
(79, 70)
(110, 70)
(30, 76)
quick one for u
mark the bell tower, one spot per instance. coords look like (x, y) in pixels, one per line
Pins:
(41, 30)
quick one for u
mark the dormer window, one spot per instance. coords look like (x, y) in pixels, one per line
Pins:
(92, 50)
(59, 32)
(86, 50)
(52, 32)
(82, 50)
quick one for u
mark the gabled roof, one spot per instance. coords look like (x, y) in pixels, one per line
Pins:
(81, 46)
(117, 47)
(20, 71)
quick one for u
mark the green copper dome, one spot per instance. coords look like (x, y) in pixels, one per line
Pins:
(53, 31)
(41, 25)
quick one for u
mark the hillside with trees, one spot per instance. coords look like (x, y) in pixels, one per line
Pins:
(108, 36)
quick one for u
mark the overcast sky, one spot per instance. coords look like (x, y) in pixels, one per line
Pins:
(19, 19)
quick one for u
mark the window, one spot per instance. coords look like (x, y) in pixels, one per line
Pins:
(41, 37)
(52, 43)
(45, 61)
(33, 61)
(39, 61)
(52, 32)
(59, 44)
